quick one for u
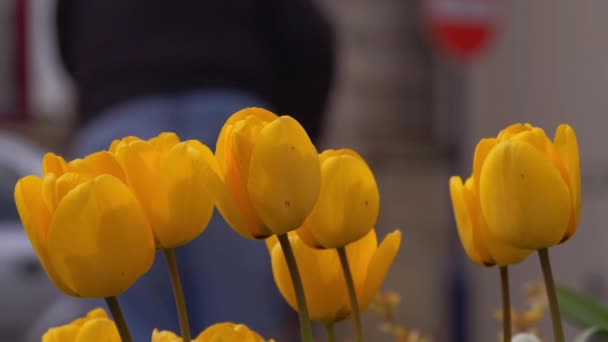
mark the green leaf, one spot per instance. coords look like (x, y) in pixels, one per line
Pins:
(581, 309)
(587, 334)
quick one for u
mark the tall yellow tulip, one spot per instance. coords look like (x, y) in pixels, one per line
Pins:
(322, 275)
(348, 204)
(530, 187)
(176, 182)
(271, 171)
(226, 332)
(94, 327)
(86, 226)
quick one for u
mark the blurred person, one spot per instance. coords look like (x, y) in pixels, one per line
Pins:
(143, 67)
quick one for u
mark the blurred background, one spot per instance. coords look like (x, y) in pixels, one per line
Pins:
(413, 96)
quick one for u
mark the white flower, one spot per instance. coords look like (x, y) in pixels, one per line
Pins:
(525, 338)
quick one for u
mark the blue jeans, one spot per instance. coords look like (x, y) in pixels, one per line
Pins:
(225, 277)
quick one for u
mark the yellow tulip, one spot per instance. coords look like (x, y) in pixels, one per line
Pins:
(323, 278)
(530, 187)
(176, 183)
(348, 204)
(165, 336)
(220, 332)
(95, 327)
(85, 225)
(271, 171)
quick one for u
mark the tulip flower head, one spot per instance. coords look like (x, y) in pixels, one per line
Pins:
(94, 327)
(271, 173)
(176, 182)
(348, 205)
(529, 186)
(86, 226)
(225, 332)
(323, 277)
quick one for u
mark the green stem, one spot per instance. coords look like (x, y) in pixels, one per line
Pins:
(119, 319)
(352, 293)
(178, 292)
(558, 331)
(506, 304)
(331, 333)
(298, 287)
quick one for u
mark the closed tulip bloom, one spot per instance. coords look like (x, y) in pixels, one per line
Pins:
(348, 204)
(323, 278)
(95, 327)
(220, 332)
(86, 226)
(271, 171)
(176, 183)
(530, 187)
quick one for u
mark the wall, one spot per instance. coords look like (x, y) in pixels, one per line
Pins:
(548, 66)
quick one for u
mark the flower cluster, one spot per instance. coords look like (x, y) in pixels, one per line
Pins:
(96, 223)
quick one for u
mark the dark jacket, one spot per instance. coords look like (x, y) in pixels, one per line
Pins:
(116, 50)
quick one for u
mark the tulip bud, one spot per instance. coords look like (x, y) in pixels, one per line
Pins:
(270, 170)
(348, 204)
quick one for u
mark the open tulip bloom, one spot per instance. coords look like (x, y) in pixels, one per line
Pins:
(524, 195)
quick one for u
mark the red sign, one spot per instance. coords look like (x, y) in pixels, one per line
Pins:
(462, 28)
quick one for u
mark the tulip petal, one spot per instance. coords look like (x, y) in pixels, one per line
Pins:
(503, 254)
(523, 197)
(481, 152)
(36, 220)
(100, 240)
(49, 191)
(140, 161)
(321, 276)
(64, 333)
(566, 145)
(379, 266)
(284, 176)
(221, 149)
(125, 141)
(323, 156)
(348, 203)
(52, 163)
(98, 330)
(465, 222)
(101, 162)
(306, 235)
(191, 186)
(164, 142)
(229, 332)
(512, 130)
(67, 182)
(359, 253)
(238, 203)
(537, 138)
(166, 336)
